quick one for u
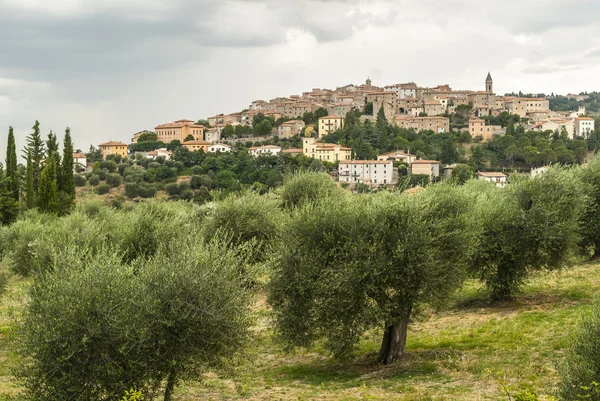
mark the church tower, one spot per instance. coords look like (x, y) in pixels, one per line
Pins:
(369, 82)
(489, 84)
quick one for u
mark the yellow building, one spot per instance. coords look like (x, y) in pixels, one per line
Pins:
(179, 130)
(113, 148)
(196, 145)
(330, 124)
(328, 152)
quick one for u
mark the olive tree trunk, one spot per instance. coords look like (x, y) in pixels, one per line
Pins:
(171, 381)
(394, 341)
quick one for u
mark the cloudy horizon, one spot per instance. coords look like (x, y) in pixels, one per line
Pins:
(112, 68)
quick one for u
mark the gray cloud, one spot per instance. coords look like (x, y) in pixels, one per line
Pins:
(109, 68)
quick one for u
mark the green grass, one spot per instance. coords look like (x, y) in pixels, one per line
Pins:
(458, 353)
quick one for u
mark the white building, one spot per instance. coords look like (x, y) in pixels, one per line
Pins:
(267, 150)
(163, 152)
(403, 90)
(212, 135)
(79, 161)
(495, 177)
(398, 156)
(584, 126)
(219, 147)
(537, 171)
(372, 172)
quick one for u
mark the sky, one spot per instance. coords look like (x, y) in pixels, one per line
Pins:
(110, 68)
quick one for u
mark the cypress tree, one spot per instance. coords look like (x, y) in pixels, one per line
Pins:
(48, 190)
(68, 181)
(35, 148)
(9, 206)
(29, 185)
(12, 173)
(52, 151)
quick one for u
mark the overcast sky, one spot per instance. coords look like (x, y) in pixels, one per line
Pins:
(111, 68)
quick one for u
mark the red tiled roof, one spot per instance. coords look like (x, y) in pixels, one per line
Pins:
(112, 143)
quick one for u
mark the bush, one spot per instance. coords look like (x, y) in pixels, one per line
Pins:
(197, 170)
(109, 165)
(94, 180)
(131, 190)
(305, 188)
(249, 219)
(146, 191)
(137, 326)
(101, 174)
(103, 189)
(186, 195)
(80, 180)
(172, 189)
(114, 180)
(581, 370)
(116, 204)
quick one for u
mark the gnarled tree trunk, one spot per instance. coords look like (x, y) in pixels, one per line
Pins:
(394, 341)
(170, 385)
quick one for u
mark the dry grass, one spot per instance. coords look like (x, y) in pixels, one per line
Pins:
(458, 353)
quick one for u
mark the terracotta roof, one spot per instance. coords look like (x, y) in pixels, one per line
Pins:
(426, 162)
(491, 174)
(368, 162)
(79, 156)
(585, 118)
(112, 143)
(197, 143)
(292, 150)
(180, 124)
(396, 153)
(331, 117)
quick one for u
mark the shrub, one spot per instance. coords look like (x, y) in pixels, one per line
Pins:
(304, 188)
(197, 170)
(103, 189)
(80, 180)
(137, 326)
(114, 180)
(146, 191)
(109, 165)
(131, 190)
(172, 189)
(116, 204)
(186, 195)
(101, 174)
(94, 180)
(250, 218)
(581, 370)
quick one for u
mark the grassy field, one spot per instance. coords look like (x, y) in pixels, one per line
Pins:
(460, 353)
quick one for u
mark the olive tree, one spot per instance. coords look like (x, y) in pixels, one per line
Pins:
(307, 187)
(590, 219)
(353, 263)
(96, 326)
(531, 225)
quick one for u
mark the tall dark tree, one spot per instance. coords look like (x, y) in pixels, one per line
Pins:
(67, 188)
(381, 127)
(30, 194)
(52, 151)
(48, 190)
(35, 149)
(12, 174)
(9, 206)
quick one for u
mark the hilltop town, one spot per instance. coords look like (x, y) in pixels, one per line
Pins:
(309, 123)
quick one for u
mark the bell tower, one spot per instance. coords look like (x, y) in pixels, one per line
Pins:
(489, 84)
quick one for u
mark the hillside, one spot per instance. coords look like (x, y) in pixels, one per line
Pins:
(458, 353)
